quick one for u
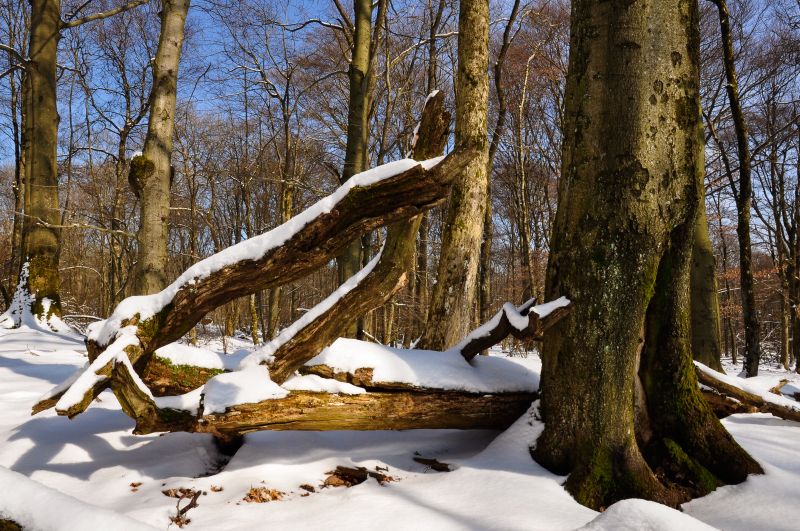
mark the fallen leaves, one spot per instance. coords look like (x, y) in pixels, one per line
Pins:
(263, 495)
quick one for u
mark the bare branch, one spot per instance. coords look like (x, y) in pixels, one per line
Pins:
(103, 15)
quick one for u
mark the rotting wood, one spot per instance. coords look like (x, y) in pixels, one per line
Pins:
(747, 397)
(345, 476)
(433, 464)
(312, 411)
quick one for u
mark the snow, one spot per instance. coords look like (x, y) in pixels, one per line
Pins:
(51, 509)
(791, 389)
(254, 248)
(769, 501)
(432, 369)
(312, 382)
(93, 460)
(88, 377)
(19, 313)
(643, 515)
(181, 354)
(249, 385)
(543, 310)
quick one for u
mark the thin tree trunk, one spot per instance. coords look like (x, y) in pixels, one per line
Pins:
(359, 74)
(485, 280)
(743, 196)
(454, 295)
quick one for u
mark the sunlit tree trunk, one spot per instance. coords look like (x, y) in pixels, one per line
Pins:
(454, 295)
(151, 172)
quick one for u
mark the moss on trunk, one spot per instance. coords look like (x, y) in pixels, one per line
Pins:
(617, 380)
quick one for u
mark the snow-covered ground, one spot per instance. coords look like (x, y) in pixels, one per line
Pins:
(92, 473)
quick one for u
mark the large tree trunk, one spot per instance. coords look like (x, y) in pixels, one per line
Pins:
(41, 233)
(622, 410)
(706, 345)
(743, 196)
(454, 294)
(151, 172)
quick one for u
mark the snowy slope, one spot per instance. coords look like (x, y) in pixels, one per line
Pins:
(94, 460)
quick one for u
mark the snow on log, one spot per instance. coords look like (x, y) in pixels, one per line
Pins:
(378, 367)
(316, 411)
(527, 322)
(738, 388)
(381, 196)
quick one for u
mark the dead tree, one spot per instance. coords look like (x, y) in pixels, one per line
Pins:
(309, 241)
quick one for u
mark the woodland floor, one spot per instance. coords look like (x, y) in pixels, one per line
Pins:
(115, 480)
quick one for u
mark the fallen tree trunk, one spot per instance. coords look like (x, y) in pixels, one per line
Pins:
(291, 251)
(305, 410)
(780, 407)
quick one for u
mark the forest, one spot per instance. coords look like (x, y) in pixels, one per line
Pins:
(450, 264)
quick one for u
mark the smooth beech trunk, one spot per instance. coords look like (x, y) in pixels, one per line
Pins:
(151, 172)
(706, 342)
(41, 235)
(623, 413)
(454, 299)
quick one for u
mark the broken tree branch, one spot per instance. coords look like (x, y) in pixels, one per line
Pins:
(208, 285)
(291, 349)
(713, 379)
(524, 323)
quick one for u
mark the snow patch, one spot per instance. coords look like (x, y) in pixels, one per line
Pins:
(246, 386)
(34, 506)
(317, 384)
(643, 515)
(432, 369)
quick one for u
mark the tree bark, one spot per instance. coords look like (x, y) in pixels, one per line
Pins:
(151, 172)
(622, 410)
(454, 295)
(706, 345)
